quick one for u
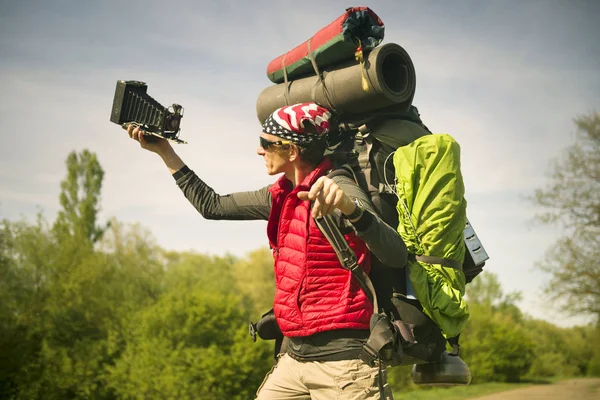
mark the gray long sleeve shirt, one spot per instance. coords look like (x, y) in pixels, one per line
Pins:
(382, 240)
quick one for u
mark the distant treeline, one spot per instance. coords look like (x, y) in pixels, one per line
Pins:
(92, 311)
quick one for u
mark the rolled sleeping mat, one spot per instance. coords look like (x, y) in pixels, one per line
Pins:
(335, 43)
(388, 71)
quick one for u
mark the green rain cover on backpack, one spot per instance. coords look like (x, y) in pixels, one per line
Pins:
(432, 214)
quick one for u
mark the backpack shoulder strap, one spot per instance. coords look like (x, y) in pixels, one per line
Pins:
(344, 170)
(347, 257)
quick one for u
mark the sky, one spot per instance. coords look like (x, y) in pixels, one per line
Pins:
(505, 78)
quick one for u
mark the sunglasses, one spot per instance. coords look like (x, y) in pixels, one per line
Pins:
(265, 144)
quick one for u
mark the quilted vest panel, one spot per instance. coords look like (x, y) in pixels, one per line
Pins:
(314, 293)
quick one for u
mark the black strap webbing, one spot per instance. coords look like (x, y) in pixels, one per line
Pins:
(286, 92)
(347, 256)
(348, 260)
(436, 260)
(320, 76)
(453, 341)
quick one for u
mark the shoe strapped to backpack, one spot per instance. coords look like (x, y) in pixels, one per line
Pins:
(449, 370)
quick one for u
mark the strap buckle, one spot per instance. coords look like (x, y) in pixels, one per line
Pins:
(368, 355)
(252, 331)
(350, 263)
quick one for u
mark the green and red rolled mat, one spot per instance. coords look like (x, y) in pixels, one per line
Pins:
(385, 79)
(358, 29)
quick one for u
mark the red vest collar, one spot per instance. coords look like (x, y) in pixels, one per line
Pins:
(284, 184)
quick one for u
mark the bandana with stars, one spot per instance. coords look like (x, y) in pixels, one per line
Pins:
(288, 123)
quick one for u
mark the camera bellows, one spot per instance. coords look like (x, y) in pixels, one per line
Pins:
(132, 104)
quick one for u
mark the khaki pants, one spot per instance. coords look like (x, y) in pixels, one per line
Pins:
(326, 380)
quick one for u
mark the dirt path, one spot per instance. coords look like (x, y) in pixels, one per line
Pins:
(579, 389)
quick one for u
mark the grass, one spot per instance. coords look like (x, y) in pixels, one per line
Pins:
(460, 392)
(472, 391)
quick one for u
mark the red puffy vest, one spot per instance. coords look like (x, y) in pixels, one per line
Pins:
(314, 293)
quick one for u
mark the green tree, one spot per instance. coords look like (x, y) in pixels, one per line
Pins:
(192, 344)
(26, 269)
(487, 291)
(17, 289)
(65, 294)
(69, 334)
(255, 281)
(593, 368)
(559, 352)
(189, 269)
(496, 346)
(572, 199)
(66, 322)
(80, 197)
(95, 312)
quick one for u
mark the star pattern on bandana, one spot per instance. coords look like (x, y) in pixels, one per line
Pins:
(284, 118)
(272, 127)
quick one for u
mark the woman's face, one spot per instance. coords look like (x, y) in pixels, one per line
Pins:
(276, 156)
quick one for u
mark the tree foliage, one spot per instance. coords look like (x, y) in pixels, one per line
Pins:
(559, 351)
(573, 194)
(80, 197)
(594, 364)
(255, 282)
(572, 199)
(101, 311)
(487, 291)
(190, 344)
(90, 311)
(495, 346)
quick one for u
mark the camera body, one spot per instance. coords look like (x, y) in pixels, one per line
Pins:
(133, 105)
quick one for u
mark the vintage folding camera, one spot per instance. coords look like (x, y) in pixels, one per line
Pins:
(132, 105)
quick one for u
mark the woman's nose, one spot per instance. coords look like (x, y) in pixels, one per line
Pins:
(260, 151)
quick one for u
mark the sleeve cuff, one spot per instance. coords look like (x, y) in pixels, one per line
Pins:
(182, 171)
(363, 223)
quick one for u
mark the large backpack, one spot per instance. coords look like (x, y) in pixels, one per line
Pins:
(381, 153)
(365, 146)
